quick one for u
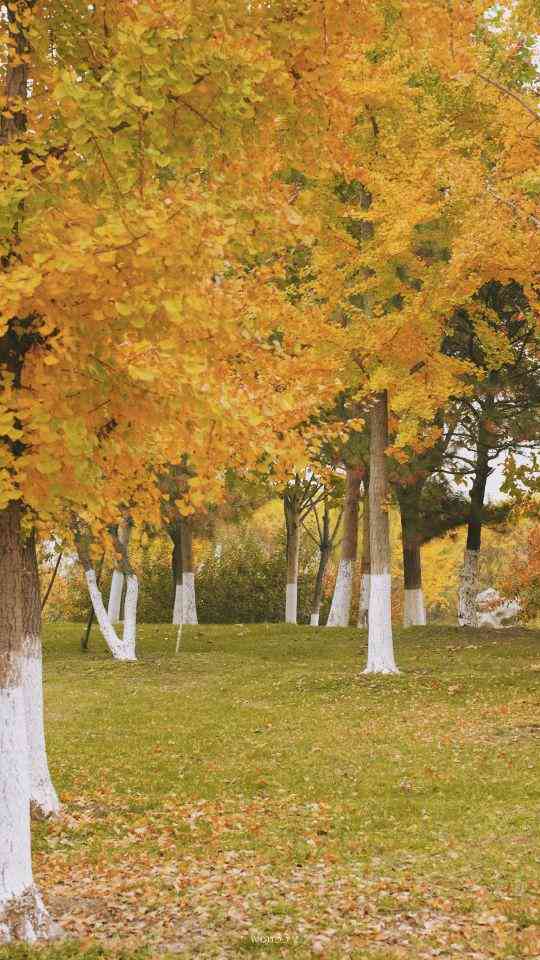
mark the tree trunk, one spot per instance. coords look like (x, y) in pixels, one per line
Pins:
(22, 913)
(121, 649)
(52, 580)
(292, 524)
(340, 611)
(189, 600)
(324, 557)
(468, 581)
(117, 583)
(380, 640)
(175, 534)
(363, 603)
(43, 797)
(414, 611)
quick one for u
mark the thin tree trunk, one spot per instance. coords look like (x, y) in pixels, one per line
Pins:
(468, 581)
(117, 582)
(22, 913)
(363, 603)
(176, 563)
(380, 640)
(414, 611)
(85, 639)
(340, 611)
(52, 580)
(292, 524)
(189, 599)
(324, 557)
(129, 636)
(43, 797)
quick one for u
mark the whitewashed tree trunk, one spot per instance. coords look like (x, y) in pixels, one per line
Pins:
(291, 603)
(175, 533)
(380, 639)
(178, 605)
(118, 579)
(363, 601)
(326, 539)
(43, 796)
(115, 596)
(129, 636)
(363, 605)
(292, 524)
(189, 599)
(468, 589)
(340, 610)
(468, 580)
(115, 645)
(22, 913)
(414, 609)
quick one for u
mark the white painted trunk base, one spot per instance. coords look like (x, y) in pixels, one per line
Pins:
(363, 605)
(340, 611)
(414, 609)
(468, 588)
(189, 601)
(22, 914)
(380, 640)
(43, 797)
(291, 602)
(115, 596)
(130, 616)
(314, 619)
(119, 649)
(177, 608)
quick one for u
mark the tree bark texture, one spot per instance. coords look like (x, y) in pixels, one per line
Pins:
(43, 797)
(340, 611)
(189, 599)
(363, 602)
(292, 525)
(380, 639)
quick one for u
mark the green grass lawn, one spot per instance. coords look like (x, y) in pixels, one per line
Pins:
(257, 796)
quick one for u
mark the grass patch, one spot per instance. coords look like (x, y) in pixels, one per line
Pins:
(257, 795)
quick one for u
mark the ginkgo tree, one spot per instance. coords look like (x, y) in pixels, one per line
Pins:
(145, 222)
(419, 184)
(137, 166)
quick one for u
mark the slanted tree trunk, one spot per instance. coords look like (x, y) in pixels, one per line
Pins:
(292, 526)
(22, 913)
(123, 649)
(52, 580)
(468, 581)
(43, 797)
(324, 557)
(363, 603)
(380, 640)
(117, 582)
(189, 600)
(325, 543)
(414, 611)
(175, 534)
(340, 611)
(325, 550)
